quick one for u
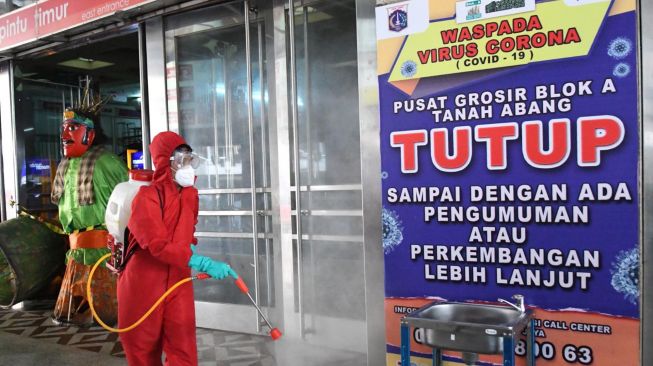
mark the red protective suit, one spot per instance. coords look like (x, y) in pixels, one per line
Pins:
(164, 239)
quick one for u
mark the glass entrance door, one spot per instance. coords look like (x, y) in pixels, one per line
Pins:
(326, 173)
(217, 100)
(267, 93)
(38, 108)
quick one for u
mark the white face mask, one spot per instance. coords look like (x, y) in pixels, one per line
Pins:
(185, 176)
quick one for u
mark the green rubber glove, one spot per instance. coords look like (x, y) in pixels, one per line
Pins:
(213, 268)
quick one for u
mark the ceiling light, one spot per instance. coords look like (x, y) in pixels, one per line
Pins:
(85, 63)
(315, 15)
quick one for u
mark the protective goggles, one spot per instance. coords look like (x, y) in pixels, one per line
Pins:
(180, 159)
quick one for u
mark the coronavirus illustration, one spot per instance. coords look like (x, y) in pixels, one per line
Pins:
(392, 230)
(625, 274)
(408, 68)
(621, 70)
(620, 47)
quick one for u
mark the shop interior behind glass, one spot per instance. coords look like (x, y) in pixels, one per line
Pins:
(45, 85)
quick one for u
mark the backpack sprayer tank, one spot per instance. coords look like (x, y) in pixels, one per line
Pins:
(117, 216)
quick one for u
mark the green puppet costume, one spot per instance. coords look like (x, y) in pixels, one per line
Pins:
(82, 186)
(109, 171)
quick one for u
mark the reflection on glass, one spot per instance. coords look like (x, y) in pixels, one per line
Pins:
(38, 110)
(327, 93)
(329, 156)
(121, 118)
(238, 253)
(213, 104)
(212, 111)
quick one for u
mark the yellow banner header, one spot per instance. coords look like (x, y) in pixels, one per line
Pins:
(552, 31)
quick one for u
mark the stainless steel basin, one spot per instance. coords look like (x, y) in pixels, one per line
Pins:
(466, 327)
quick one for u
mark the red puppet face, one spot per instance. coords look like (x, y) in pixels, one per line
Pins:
(76, 139)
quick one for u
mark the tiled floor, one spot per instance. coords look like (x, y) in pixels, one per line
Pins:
(231, 349)
(214, 347)
(18, 351)
(37, 324)
(30, 338)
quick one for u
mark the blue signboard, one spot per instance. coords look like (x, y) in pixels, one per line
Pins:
(517, 179)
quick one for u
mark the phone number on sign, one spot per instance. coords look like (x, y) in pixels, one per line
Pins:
(547, 350)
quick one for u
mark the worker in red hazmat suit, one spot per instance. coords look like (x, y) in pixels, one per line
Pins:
(162, 225)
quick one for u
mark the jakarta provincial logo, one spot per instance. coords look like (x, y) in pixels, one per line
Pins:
(474, 13)
(398, 18)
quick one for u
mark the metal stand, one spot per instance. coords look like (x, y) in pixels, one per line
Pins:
(405, 343)
(437, 357)
(508, 347)
(508, 351)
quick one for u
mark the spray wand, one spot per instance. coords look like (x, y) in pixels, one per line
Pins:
(274, 332)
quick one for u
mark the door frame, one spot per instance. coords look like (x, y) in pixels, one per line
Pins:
(285, 314)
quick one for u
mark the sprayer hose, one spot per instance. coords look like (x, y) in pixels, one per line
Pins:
(139, 321)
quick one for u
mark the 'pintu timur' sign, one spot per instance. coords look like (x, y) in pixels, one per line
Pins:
(46, 18)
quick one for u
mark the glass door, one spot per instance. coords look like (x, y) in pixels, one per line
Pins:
(38, 108)
(217, 100)
(326, 173)
(267, 92)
